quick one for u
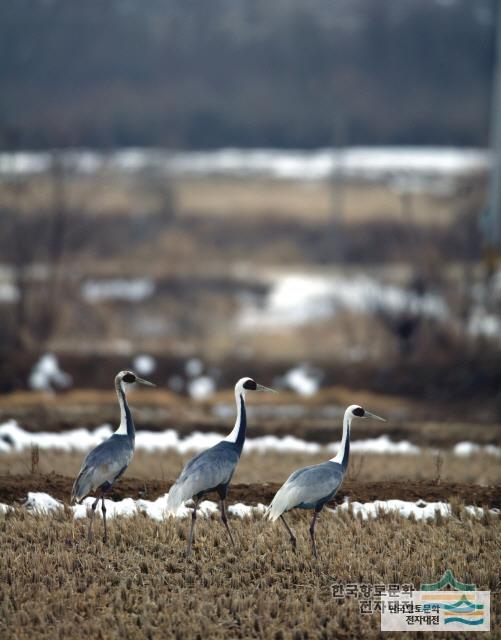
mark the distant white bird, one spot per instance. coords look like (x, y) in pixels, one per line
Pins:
(312, 487)
(212, 470)
(103, 465)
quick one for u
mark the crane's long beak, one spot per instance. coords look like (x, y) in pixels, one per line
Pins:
(145, 382)
(368, 414)
(260, 387)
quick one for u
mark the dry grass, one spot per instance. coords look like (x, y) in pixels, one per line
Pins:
(141, 586)
(308, 201)
(255, 467)
(228, 197)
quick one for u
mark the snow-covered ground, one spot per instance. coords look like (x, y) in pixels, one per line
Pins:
(144, 364)
(41, 503)
(420, 510)
(303, 379)
(422, 164)
(14, 438)
(297, 298)
(129, 290)
(47, 375)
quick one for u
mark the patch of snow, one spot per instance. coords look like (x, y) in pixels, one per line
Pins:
(470, 448)
(421, 510)
(353, 162)
(303, 380)
(24, 162)
(40, 502)
(4, 507)
(130, 290)
(382, 444)
(242, 510)
(193, 367)
(295, 299)
(14, 438)
(8, 292)
(144, 364)
(46, 374)
(43, 503)
(201, 388)
(482, 323)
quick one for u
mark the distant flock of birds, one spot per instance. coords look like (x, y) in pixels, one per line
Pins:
(212, 470)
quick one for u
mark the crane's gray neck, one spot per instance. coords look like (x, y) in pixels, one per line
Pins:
(126, 427)
(237, 435)
(343, 454)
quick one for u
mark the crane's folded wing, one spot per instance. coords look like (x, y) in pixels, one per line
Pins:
(307, 487)
(103, 464)
(206, 471)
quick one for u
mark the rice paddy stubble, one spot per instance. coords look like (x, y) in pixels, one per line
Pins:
(55, 585)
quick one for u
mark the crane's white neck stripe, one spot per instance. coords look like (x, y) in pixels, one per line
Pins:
(339, 457)
(233, 436)
(123, 427)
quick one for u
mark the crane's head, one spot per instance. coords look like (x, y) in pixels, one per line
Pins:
(124, 378)
(356, 411)
(248, 384)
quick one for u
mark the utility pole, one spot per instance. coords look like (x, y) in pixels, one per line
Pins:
(492, 227)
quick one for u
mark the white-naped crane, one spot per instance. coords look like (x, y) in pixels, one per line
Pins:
(103, 465)
(312, 487)
(212, 470)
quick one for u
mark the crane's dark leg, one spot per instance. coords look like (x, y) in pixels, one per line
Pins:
(289, 531)
(89, 532)
(312, 533)
(103, 509)
(192, 528)
(224, 519)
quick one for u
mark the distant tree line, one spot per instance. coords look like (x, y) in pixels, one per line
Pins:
(285, 73)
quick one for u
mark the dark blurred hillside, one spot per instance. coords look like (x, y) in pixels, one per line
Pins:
(233, 72)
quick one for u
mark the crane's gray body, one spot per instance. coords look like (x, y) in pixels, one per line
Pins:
(210, 470)
(312, 487)
(315, 485)
(103, 465)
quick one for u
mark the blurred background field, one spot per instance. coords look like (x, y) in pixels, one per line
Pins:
(296, 192)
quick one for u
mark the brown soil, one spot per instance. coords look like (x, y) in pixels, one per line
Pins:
(14, 489)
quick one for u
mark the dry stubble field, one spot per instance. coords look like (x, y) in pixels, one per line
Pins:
(55, 585)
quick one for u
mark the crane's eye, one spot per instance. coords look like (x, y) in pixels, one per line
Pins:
(129, 378)
(250, 384)
(358, 411)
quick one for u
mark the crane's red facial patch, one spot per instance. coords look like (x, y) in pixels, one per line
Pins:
(129, 378)
(358, 411)
(250, 385)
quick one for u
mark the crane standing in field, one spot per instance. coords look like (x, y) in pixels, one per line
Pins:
(312, 487)
(103, 465)
(212, 470)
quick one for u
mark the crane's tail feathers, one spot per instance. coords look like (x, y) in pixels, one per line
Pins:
(283, 501)
(274, 512)
(175, 499)
(82, 485)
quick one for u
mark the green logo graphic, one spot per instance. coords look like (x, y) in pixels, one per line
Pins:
(448, 580)
(463, 610)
